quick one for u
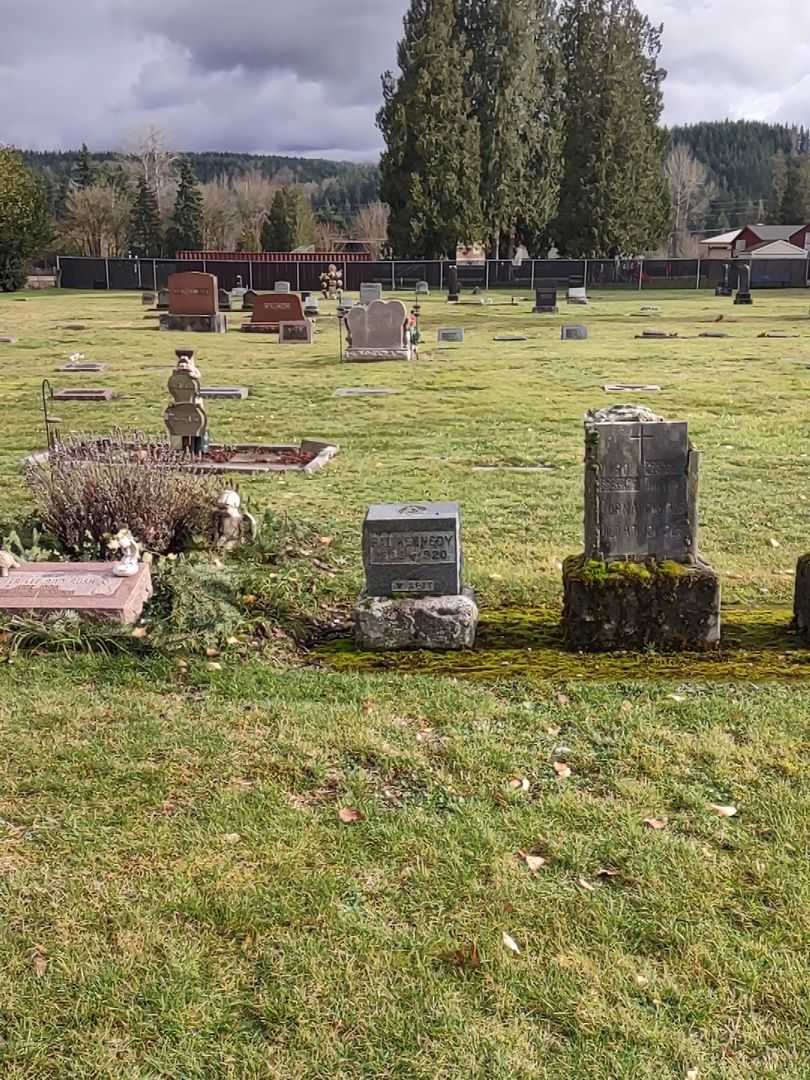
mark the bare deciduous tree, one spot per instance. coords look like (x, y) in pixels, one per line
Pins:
(149, 147)
(254, 194)
(97, 221)
(370, 224)
(326, 235)
(692, 190)
(221, 224)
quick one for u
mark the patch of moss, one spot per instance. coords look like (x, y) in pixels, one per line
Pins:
(593, 571)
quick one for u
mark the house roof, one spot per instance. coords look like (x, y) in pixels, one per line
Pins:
(723, 239)
(776, 249)
(775, 232)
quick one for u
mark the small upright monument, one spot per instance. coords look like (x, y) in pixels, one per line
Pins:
(415, 596)
(194, 304)
(186, 419)
(744, 285)
(378, 332)
(453, 286)
(724, 288)
(640, 582)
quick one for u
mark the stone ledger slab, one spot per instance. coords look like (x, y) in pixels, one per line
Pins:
(238, 393)
(434, 622)
(90, 589)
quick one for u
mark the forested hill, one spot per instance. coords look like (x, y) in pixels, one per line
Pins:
(345, 185)
(739, 155)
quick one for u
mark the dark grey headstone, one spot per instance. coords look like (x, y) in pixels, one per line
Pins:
(574, 333)
(545, 301)
(413, 549)
(370, 290)
(640, 488)
(224, 300)
(510, 337)
(422, 288)
(224, 392)
(450, 335)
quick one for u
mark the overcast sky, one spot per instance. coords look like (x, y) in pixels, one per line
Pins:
(303, 76)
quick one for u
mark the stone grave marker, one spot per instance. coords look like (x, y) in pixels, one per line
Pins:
(224, 300)
(640, 581)
(222, 393)
(423, 288)
(574, 333)
(378, 332)
(450, 335)
(631, 388)
(248, 299)
(282, 286)
(83, 393)
(654, 335)
(364, 391)
(295, 333)
(312, 307)
(453, 285)
(194, 304)
(8, 340)
(83, 365)
(370, 290)
(271, 309)
(744, 285)
(577, 294)
(90, 588)
(162, 300)
(714, 334)
(510, 337)
(724, 288)
(545, 300)
(148, 299)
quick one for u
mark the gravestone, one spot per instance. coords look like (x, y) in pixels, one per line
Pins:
(83, 393)
(453, 286)
(724, 288)
(186, 419)
(194, 304)
(90, 589)
(162, 300)
(7, 340)
(248, 299)
(370, 290)
(282, 286)
(414, 596)
(83, 365)
(654, 334)
(545, 301)
(423, 288)
(577, 294)
(631, 388)
(295, 333)
(744, 285)
(378, 332)
(640, 582)
(220, 393)
(148, 299)
(450, 335)
(364, 391)
(573, 333)
(224, 300)
(270, 309)
(312, 307)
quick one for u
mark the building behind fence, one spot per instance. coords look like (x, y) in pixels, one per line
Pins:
(398, 275)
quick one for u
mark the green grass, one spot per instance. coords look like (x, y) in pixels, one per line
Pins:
(179, 897)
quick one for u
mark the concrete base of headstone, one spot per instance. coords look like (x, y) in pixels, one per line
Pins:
(723, 291)
(801, 599)
(370, 356)
(431, 622)
(609, 607)
(743, 298)
(201, 324)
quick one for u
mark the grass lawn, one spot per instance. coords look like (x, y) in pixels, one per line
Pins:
(180, 898)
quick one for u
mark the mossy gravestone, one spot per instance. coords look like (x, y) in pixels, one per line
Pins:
(640, 582)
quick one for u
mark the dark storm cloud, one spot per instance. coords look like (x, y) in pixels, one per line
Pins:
(302, 76)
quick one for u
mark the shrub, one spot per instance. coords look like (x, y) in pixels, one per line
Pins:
(89, 487)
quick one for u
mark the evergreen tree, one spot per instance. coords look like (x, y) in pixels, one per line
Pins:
(796, 200)
(145, 234)
(430, 169)
(290, 223)
(614, 198)
(24, 226)
(84, 170)
(513, 90)
(779, 186)
(185, 232)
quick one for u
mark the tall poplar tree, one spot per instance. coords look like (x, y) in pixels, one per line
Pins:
(185, 233)
(430, 169)
(614, 198)
(145, 234)
(290, 222)
(514, 92)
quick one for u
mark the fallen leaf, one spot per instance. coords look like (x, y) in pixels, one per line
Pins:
(655, 823)
(676, 697)
(232, 641)
(39, 961)
(562, 699)
(510, 942)
(139, 632)
(367, 706)
(182, 664)
(249, 600)
(534, 862)
(325, 540)
(723, 811)
(231, 838)
(211, 652)
(607, 871)
(642, 980)
(562, 770)
(496, 577)
(212, 665)
(519, 783)
(423, 734)
(627, 706)
(466, 958)
(692, 1074)
(774, 543)
(586, 885)
(552, 731)
(349, 815)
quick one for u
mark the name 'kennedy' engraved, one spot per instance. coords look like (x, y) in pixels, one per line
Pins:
(414, 548)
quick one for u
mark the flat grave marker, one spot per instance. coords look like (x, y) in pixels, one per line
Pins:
(574, 333)
(631, 388)
(83, 393)
(450, 335)
(218, 393)
(364, 391)
(295, 333)
(88, 588)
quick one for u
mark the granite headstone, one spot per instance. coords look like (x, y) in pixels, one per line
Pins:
(413, 549)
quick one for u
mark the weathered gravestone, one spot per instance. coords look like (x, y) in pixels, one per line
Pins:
(90, 589)
(724, 288)
(744, 285)
(148, 299)
(282, 286)
(248, 299)
(224, 300)
(370, 290)
(577, 294)
(295, 333)
(573, 333)
(82, 365)
(640, 582)
(194, 304)
(450, 335)
(186, 419)
(453, 286)
(414, 596)
(378, 332)
(545, 301)
(83, 393)
(162, 300)
(270, 309)
(423, 288)
(312, 307)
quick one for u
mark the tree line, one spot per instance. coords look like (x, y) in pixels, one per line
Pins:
(525, 122)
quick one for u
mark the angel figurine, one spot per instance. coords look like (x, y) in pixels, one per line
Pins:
(233, 525)
(129, 552)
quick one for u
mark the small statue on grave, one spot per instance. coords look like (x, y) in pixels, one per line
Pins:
(129, 552)
(7, 562)
(233, 525)
(186, 418)
(331, 282)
